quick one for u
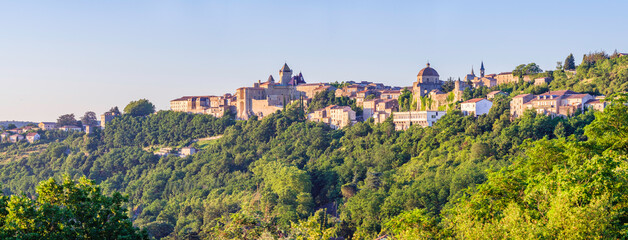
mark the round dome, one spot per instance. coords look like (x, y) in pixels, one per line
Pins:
(427, 72)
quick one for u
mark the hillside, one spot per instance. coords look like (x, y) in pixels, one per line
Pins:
(465, 177)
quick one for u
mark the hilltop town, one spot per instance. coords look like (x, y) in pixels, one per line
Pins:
(429, 99)
(339, 105)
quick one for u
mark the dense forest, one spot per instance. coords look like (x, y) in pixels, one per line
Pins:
(283, 177)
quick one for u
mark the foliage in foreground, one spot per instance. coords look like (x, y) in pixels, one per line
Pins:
(67, 210)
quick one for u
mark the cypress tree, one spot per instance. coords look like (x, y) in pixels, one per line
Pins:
(570, 63)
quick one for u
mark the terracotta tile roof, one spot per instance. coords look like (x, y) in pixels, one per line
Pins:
(522, 95)
(32, 134)
(391, 91)
(495, 92)
(559, 93)
(474, 100)
(191, 97)
(577, 95)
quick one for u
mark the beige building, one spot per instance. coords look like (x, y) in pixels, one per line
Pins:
(542, 81)
(379, 106)
(508, 77)
(596, 104)
(106, 118)
(211, 105)
(32, 137)
(335, 116)
(187, 151)
(311, 89)
(4, 136)
(16, 138)
(350, 91)
(47, 125)
(553, 103)
(403, 120)
(517, 104)
(427, 80)
(268, 97)
(483, 80)
(389, 94)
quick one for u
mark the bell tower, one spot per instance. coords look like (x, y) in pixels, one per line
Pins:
(482, 70)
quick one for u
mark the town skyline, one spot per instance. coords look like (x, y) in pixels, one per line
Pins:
(73, 60)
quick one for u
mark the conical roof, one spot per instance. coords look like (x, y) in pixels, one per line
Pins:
(285, 68)
(271, 79)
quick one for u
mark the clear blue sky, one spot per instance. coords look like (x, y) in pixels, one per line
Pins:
(60, 57)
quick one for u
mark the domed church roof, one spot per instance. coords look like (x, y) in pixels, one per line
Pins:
(427, 72)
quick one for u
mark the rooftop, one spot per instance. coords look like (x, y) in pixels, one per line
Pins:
(474, 100)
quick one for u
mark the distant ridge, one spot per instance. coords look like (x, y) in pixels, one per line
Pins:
(17, 123)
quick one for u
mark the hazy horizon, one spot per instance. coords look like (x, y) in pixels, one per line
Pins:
(71, 57)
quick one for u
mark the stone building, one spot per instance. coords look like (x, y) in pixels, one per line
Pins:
(389, 94)
(268, 97)
(335, 116)
(309, 90)
(216, 106)
(483, 80)
(47, 125)
(403, 120)
(596, 104)
(542, 81)
(106, 118)
(378, 109)
(553, 103)
(15, 138)
(427, 80)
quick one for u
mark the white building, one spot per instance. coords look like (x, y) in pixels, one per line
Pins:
(16, 138)
(32, 137)
(4, 136)
(187, 151)
(71, 128)
(403, 120)
(476, 106)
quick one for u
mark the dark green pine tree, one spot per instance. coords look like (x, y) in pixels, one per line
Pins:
(570, 63)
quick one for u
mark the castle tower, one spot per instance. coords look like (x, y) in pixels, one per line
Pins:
(482, 70)
(285, 74)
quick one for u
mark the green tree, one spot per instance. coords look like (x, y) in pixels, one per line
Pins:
(140, 107)
(405, 100)
(67, 120)
(570, 63)
(89, 119)
(115, 110)
(414, 224)
(70, 210)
